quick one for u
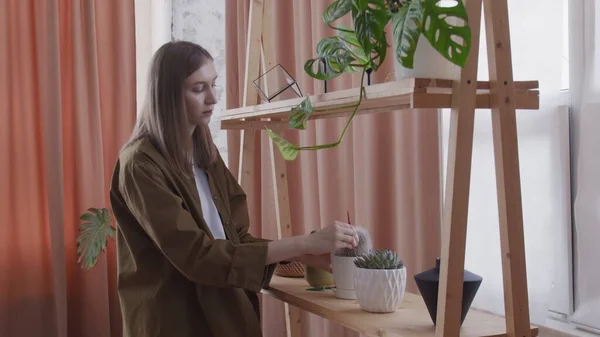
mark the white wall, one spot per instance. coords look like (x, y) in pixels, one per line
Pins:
(536, 32)
(152, 29)
(199, 21)
(585, 82)
(203, 22)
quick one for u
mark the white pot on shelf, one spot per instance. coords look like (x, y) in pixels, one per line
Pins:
(343, 269)
(428, 63)
(380, 290)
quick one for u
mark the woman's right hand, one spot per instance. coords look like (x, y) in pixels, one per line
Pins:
(333, 237)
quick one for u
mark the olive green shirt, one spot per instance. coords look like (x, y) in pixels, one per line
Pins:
(174, 278)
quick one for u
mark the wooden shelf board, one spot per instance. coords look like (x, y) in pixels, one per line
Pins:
(385, 97)
(410, 320)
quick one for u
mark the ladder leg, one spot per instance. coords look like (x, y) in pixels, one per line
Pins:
(284, 226)
(507, 169)
(250, 98)
(278, 164)
(246, 163)
(456, 203)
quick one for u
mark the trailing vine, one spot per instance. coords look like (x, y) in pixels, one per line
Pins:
(444, 24)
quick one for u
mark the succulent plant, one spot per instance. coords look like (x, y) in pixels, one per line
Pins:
(363, 247)
(379, 259)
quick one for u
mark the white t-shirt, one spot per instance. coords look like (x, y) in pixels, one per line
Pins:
(209, 210)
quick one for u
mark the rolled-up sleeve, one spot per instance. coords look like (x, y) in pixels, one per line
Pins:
(161, 214)
(238, 206)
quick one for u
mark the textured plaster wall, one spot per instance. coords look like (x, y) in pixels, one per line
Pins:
(203, 22)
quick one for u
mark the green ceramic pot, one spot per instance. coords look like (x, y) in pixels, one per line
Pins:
(318, 277)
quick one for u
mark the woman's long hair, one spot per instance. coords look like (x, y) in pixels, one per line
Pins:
(163, 118)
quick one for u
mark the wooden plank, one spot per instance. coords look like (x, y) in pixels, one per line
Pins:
(456, 203)
(508, 181)
(377, 96)
(411, 319)
(327, 100)
(443, 83)
(525, 100)
(278, 165)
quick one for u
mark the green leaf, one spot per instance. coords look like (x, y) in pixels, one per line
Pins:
(94, 230)
(406, 24)
(361, 5)
(348, 38)
(369, 24)
(300, 115)
(451, 41)
(332, 59)
(336, 10)
(288, 150)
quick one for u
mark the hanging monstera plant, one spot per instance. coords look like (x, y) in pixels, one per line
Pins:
(443, 23)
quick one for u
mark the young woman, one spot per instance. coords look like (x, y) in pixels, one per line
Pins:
(187, 266)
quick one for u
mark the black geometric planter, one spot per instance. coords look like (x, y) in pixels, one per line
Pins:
(428, 283)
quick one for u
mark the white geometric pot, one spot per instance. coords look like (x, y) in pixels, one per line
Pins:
(379, 290)
(428, 63)
(343, 269)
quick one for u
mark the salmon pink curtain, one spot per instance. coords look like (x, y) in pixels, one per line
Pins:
(67, 102)
(385, 173)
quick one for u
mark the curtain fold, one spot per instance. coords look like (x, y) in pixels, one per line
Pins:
(386, 172)
(67, 80)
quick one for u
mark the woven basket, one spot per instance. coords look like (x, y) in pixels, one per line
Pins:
(292, 269)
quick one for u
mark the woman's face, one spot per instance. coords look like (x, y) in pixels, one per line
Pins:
(199, 94)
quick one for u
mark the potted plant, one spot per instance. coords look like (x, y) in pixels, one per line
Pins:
(342, 264)
(363, 48)
(379, 281)
(95, 230)
(318, 278)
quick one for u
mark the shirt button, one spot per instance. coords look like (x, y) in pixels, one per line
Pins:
(215, 198)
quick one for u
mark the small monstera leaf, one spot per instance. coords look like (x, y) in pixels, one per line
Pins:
(300, 115)
(406, 26)
(348, 37)
(336, 10)
(288, 150)
(451, 41)
(332, 59)
(95, 228)
(370, 19)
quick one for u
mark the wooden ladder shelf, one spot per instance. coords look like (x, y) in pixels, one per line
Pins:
(500, 94)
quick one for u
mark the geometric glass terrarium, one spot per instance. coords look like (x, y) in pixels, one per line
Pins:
(277, 83)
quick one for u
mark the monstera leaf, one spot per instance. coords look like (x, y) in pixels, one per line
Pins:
(336, 10)
(370, 19)
(333, 59)
(95, 228)
(363, 47)
(406, 25)
(348, 38)
(288, 150)
(300, 115)
(452, 41)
